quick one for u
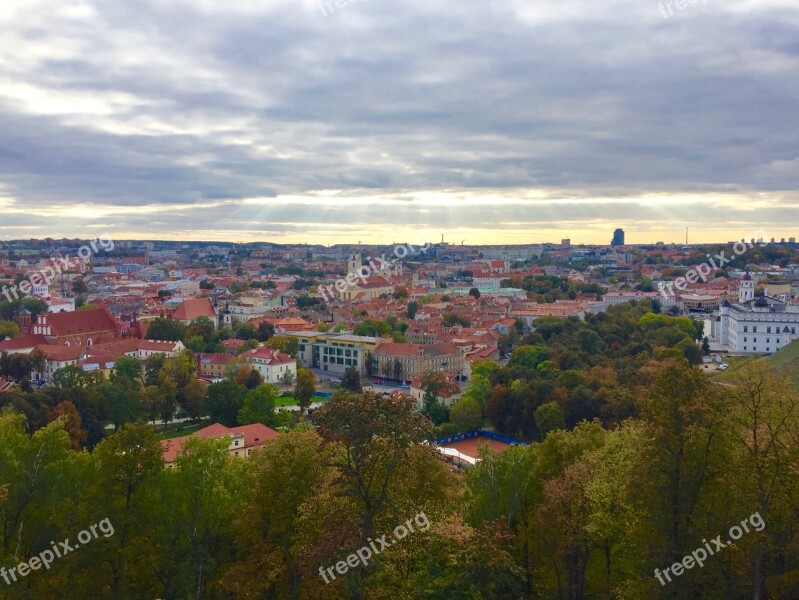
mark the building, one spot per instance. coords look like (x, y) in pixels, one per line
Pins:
(447, 393)
(700, 302)
(334, 352)
(213, 366)
(194, 308)
(79, 328)
(408, 361)
(272, 364)
(244, 440)
(618, 238)
(755, 325)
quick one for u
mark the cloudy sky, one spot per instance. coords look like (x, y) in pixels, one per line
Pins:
(490, 121)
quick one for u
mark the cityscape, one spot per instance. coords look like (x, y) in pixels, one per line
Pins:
(359, 300)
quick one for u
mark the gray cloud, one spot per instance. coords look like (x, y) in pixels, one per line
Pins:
(185, 104)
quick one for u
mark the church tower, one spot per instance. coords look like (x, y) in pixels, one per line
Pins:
(746, 291)
(353, 262)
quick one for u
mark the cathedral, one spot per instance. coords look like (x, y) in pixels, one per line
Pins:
(754, 324)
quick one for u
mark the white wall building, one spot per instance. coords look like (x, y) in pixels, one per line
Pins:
(755, 325)
(271, 364)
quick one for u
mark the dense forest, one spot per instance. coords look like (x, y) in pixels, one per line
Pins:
(637, 460)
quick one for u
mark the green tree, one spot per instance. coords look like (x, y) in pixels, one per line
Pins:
(127, 371)
(374, 436)
(549, 417)
(466, 414)
(352, 380)
(8, 329)
(223, 401)
(412, 309)
(123, 403)
(304, 388)
(70, 377)
(259, 405)
(165, 329)
(287, 344)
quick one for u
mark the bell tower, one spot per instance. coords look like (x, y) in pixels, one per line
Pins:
(746, 291)
(353, 262)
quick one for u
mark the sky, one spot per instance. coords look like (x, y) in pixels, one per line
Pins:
(483, 121)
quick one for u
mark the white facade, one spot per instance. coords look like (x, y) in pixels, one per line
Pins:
(756, 326)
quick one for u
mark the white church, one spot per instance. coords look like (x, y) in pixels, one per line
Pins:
(754, 325)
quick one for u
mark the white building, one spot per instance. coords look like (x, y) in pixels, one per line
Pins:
(271, 364)
(755, 325)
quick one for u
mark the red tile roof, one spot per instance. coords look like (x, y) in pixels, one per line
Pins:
(193, 308)
(23, 341)
(255, 435)
(269, 355)
(79, 322)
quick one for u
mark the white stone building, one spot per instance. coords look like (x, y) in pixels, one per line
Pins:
(755, 325)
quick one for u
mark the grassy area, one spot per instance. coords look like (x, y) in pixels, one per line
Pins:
(184, 430)
(787, 361)
(285, 401)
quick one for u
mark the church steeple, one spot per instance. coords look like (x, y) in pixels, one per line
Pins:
(746, 291)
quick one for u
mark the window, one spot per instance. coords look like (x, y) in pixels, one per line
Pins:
(746, 329)
(768, 329)
(754, 329)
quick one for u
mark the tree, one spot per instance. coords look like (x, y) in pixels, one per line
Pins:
(466, 415)
(165, 329)
(167, 401)
(287, 344)
(478, 388)
(190, 397)
(304, 388)
(763, 410)
(549, 417)
(412, 309)
(8, 329)
(682, 414)
(433, 383)
(373, 436)
(691, 351)
(706, 346)
(397, 369)
(352, 380)
(123, 403)
(70, 377)
(127, 371)
(67, 412)
(294, 471)
(259, 405)
(223, 401)
(152, 368)
(474, 293)
(265, 331)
